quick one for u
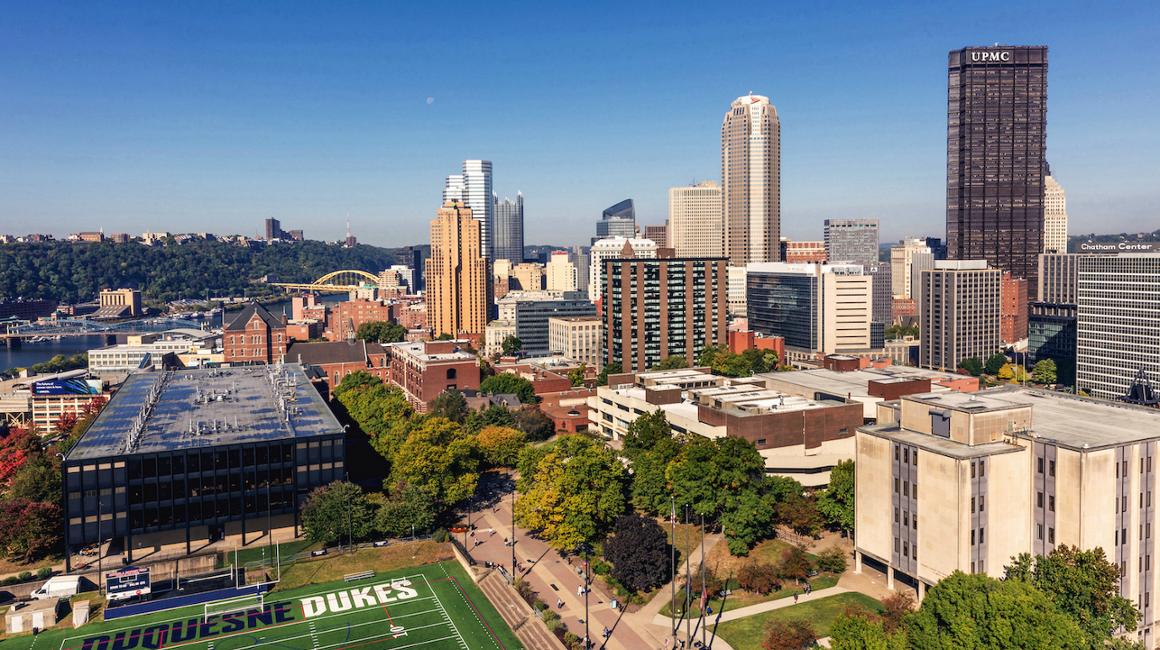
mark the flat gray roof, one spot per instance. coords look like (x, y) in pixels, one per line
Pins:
(941, 446)
(854, 383)
(204, 408)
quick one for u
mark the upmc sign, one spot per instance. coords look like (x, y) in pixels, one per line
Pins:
(984, 56)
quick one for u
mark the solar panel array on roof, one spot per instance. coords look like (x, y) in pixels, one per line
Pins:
(167, 411)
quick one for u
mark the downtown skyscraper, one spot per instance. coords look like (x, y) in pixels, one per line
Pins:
(751, 180)
(456, 273)
(473, 188)
(996, 149)
(507, 242)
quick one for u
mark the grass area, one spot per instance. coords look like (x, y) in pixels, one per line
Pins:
(260, 553)
(740, 598)
(748, 633)
(418, 607)
(688, 537)
(386, 558)
(10, 568)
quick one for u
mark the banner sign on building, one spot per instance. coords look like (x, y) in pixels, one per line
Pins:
(66, 387)
(127, 583)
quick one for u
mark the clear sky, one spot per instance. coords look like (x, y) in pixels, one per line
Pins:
(208, 116)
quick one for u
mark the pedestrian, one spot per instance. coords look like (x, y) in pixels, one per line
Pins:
(559, 603)
(580, 590)
(795, 599)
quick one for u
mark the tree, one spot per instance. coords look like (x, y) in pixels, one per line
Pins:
(645, 431)
(492, 416)
(38, 479)
(1044, 372)
(832, 560)
(639, 552)
(977, 611)
(450, 404)
(836, 502)
(576, 375)
(789, 635)
(511, 345)
(650, 488)
(672, 362)
(336, 512)
(29, 530)
(610, 369)
(532, 421)
(506, 383)
(381, 332)
(439, 458)
(995, 363)
(972, 366)
(574, 493)
(758, 577)
(800, 512)
(795, 564)
(858, 629)
(406, 510)
(895, 607)
(500, 446)
(1082, 584)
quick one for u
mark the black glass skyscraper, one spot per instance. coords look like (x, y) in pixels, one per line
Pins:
(996, 149)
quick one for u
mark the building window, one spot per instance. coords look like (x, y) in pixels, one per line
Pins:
(972, 539)
(1050, 535)
(1039, 465)
(896, 452)
(981, 536)
(981, 503)
(1039, 532)
(972, 505)
(1038, 499)
(761, 441)
(896, 515)
(1051, 504)
(451, 372)
(1051, 468)
(982, 468)
(896, 486)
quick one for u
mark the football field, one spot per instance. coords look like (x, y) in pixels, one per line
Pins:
(435, 606)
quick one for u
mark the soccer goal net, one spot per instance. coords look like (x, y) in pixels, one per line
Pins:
(234, 605)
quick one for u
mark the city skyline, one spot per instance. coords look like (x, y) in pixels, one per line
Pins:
(182, 117)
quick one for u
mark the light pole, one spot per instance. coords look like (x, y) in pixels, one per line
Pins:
(513, 535)
(584, 586)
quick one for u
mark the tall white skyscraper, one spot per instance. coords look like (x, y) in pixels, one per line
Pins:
(695, 226)
(751, 180)
(473, 187)
(1054, 216)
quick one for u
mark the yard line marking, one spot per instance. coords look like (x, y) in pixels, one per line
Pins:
(335, 645)
(450, 622)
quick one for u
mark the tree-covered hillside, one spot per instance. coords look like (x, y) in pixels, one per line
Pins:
(75, 272)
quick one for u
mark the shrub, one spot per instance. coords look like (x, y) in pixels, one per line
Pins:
(832, 560)
(440, 535)
(44, 573)
(789, 635)
(525, 591)
(758, 578)
(25, 576)
(795, 564)
(600, 567)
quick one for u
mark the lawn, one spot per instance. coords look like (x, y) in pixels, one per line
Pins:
(748, 633)
(740, 598)
(262, 553)
(387, 558)
(419, 607)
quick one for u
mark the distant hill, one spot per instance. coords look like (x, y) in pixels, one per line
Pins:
(75, 272)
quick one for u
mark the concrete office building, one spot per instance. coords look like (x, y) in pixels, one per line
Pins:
(960, 313)
(526, 276)
(907, 259)
(1002, 472)
(1117, 321)
(199, 454)
(738, 285)
(658, 234)
(496, 333)
(797, 437)
(882, 279)
(617, 221)
(867, 386)
(659, 308)
(456, 276)
(580, 257)
(818, 309)
(612, 248)
(751, 180)
(576, 338)
(996, 156)
(560, 272)
(851, 240)
(1054, 215)
(508, 237)
(473, 188)
(696, 228)
(1051, 323)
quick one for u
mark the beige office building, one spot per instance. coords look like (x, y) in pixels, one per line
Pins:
(559, 272)
(1054, 216)
(457, 275)
(818, 309)
(696, 228)
(905, 258)
(960, 313)
(751, 180)
(1006, 471)
(526, 276)
(576, 338)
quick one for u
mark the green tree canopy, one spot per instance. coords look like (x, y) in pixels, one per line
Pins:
(381, 332)
(450, 404)
(438, 458)
(575, 491)
(610, 369)
(972, 366)
(404, 511)
(534, 422)
(1044, 372)
(511, 345)
(500, 446)
(337, 512)
(976, 611)
(995, 363)
(506, 383)
(672, 362)
(836, 502)
(645, 431)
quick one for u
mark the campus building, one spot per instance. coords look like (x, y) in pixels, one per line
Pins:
(964, 482)
(199, 455)
(576, 338)
(960, 313)
(425, 369)
(798, 437)
(255, 336)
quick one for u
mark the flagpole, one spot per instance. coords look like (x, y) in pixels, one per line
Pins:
(673, 569)
(704, 585)
(688, 585)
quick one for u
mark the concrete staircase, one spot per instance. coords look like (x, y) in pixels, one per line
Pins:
(518, 614)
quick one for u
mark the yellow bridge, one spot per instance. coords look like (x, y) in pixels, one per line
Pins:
(336, 282)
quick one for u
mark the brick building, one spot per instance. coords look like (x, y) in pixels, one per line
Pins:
(334, 360)
(427, 368)
(346, 317)
(1013, 310)
(255, 336)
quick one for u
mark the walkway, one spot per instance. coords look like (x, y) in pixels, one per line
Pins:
(767, 606)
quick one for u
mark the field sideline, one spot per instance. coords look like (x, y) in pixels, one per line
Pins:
(421, 608)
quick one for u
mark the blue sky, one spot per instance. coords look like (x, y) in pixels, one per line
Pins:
(212, 116)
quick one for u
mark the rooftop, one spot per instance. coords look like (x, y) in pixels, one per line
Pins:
(852, 383)
(418, 351)
(170, 411)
